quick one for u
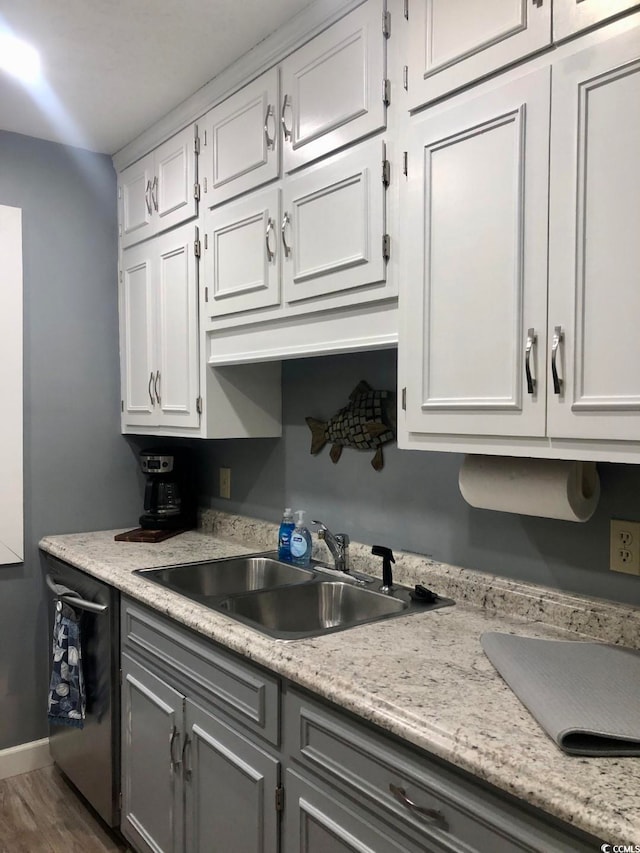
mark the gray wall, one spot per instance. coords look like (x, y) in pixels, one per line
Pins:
(80, 474)
(414, 503)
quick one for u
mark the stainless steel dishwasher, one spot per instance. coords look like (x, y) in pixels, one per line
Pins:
(90, 757)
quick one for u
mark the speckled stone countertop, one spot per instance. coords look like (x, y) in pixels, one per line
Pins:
(422, 677)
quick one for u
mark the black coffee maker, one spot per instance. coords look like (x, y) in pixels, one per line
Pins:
(169, 502)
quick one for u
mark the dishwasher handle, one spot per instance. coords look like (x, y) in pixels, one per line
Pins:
(72, 598)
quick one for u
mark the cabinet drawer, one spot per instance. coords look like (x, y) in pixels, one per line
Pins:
(365, 763)
(196, 666)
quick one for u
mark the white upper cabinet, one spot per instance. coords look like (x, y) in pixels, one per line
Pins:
(242, 254)
(240, 141)
(333, 89)
(474, 303)
(453, 44)
(160, 190)
(594, 295)
(571, 16)
(159, 332)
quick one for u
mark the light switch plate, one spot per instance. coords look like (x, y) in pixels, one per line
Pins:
(624, 547)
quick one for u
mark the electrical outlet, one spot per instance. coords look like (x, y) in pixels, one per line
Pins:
(225, 483)
(624, 547)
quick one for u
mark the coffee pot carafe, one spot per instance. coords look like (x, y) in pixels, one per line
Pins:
(168, 497)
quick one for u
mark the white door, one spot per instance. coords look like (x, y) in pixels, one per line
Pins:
(333, 225)
(475, 280)
(571, 16)
(332, 87)
(242, 255)
(173, 190)
(137, 336)
(452, 44)
(241, 141)
(136, 205)
(176, 382)
(594, 261)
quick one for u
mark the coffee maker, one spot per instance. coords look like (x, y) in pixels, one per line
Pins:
(168, 495)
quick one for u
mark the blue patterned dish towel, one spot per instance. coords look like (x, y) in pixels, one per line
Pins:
(67, 701)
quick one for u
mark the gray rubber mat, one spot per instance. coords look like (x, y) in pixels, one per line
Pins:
(586, 696)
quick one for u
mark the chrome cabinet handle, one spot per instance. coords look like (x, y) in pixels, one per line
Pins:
(186, 769)
(286, 220)
(70, 596)
(149, 388)
(147, 197)
(271, 226)
(532, 340)
(286, 102)
(558, 337)
(428, 815)
(154, 197)
(172, 739)
(156, 386)
(270, 141)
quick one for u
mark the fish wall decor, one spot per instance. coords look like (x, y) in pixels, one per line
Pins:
(366, 423)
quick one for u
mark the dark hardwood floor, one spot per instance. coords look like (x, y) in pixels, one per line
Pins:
(41, 813)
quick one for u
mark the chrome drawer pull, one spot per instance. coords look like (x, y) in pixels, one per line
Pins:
(186, 769)
(532, 340)
(428, 815)
(150, 389)
(558, 337)
(286, 102)
(154, 197)
(271, 226)
(270, 141)
(147, 197)
(286, 220)
(156, 386)
(172, 740)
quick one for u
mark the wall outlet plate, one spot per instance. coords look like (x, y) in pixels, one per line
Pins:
(225, 483)
(624, 547)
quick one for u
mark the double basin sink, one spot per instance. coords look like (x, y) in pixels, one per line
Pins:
(285, 601)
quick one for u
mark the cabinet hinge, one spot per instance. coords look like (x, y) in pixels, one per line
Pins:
(196, 192)
(122, 410)
(405, 163)
(119, 192)
(386, 92)
(121, 670)
(386, 173)
(537, 3)
(120, 276)
(404, 399)
(386, 24)
(279, 798)
(406, 9)
(199, 405)
(196, 140)
(386, 247)
(197, 248)
(205, 139)
(119, 230)
(120, 800)
(206, 294)
(204, 181)
(405, 78)
(206, 240)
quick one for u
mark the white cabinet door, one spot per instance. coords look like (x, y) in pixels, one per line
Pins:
(332, 87)
(333, 225)
(242, 255)
(136, 205)
(594, 258)
(571, 16)
(176, 381)
(137, 336)
(452, 44)
(476, 234)
(241, 141)
(160, 190)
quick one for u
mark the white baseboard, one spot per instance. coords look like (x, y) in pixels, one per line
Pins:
(23, 758)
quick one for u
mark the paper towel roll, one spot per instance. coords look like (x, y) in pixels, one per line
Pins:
(550, 488)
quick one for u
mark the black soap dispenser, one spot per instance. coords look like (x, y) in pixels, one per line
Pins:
(387, 559)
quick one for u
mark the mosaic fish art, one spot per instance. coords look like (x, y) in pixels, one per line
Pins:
(366, 423)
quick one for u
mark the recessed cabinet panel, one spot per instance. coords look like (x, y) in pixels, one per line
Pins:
(571, 16)
(477, 243)
(137, 206)
(333, 223)
(332, 87)
(177, 386)
(595, 251)
(174, 197)
(454, 44)
(242, 255)
(241, 142)
(138, 337)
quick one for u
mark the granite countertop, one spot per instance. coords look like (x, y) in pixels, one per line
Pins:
(422, 677)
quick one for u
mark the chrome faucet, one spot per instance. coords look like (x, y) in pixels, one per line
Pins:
(338, 544)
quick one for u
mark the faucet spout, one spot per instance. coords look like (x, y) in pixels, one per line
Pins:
(338, 544)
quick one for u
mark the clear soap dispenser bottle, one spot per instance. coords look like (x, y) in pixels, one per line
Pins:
(300, 542)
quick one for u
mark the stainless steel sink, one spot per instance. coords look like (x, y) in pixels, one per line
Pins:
(321, 607)
(229, 575)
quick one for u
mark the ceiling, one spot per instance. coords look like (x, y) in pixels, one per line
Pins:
(112, 68)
